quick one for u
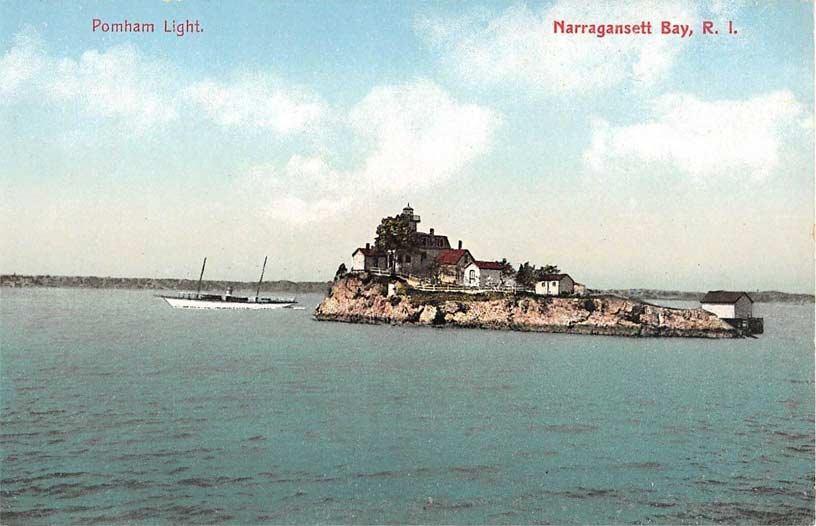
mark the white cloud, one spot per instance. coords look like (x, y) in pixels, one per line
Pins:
(519, 47)
(700, 138)
(724, 9)
(404, 137)
(421, 136)
(298, 211)
(123, 84)
(416, 136)
(24, 60)
(257, 102)
(119, 83)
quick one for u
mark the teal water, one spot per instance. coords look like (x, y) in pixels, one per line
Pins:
(116, 408)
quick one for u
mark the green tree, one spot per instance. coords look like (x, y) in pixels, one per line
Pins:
(507, 269)
(341, 271)
(528, 274)
(544, 270)
(394, 234)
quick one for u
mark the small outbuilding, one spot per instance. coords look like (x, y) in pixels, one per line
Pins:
(368, 258)
(728, 304)
(452, 264)
(555, 285)
(483, 274)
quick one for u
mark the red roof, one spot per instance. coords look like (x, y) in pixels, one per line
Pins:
(450, 257)
(490, 265)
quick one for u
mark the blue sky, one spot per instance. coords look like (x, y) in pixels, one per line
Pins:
(291, 128)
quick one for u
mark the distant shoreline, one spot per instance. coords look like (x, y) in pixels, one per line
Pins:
(96, 282)
(765, 296)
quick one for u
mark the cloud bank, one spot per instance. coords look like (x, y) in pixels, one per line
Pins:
(257, 102)
(701, 138)
(142, 92)
(518, 48)
(416, 136)
(410, 135)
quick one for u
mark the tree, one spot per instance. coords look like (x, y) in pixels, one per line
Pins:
(507, 269)
(433, 271)
(393, 233)
(341, 271)
(528, 274)
(545, 270)
(508, 273)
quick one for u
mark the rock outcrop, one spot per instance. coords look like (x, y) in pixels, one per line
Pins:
(363, 299)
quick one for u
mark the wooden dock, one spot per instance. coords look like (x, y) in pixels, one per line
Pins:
(747, 325)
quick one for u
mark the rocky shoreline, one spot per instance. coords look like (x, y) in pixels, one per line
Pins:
(365, 299)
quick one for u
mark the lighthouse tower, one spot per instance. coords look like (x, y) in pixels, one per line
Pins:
(409, 217)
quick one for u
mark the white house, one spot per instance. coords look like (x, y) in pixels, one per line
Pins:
(368, 258)
(728, 304)
(452, 264)
(554, 285)
(483, 274)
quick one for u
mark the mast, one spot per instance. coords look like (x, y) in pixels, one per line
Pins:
(198, 290)
(258, 293)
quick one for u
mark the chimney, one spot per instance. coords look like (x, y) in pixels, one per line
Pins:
(432, 231)
(368, 245)
(460, 244)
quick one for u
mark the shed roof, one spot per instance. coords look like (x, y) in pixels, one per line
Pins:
(370, 252)
(554, 277)
(489, 265)
(724, 296)
(451, 257)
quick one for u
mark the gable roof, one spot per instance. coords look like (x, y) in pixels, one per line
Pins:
(451, 257)
(489, 265)
(370, 252)
(554, 277)
(724, 296)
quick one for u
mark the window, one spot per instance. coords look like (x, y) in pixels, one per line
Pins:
(407, 259)
(472, 276)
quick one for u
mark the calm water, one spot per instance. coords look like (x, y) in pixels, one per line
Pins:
(116, 408)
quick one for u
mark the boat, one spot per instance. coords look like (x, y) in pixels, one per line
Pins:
(227, 300)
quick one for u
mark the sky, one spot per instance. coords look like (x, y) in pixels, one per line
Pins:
(289, 129)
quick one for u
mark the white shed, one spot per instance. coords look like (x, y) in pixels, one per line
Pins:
(483, 274)
(728, 304)
(368, 258)
(554, 285)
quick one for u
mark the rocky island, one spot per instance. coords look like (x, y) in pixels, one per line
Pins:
(368, 298)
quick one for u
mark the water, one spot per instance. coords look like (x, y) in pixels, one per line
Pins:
(116, 408)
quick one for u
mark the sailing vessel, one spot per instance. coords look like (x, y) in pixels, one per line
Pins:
(227, 300)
